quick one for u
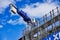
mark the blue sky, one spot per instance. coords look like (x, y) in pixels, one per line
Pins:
(11, 25)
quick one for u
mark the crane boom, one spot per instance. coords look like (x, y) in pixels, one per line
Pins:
(24, 15)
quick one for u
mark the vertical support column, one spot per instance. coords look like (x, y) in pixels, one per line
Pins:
(57, 10)
(50, 14)
(31, 34)
(51, 18)
(46, 19)
(27, 36)
(38, 30)
(40, 34)
(44, 33)
(58, 14)
(53, 13)
(54, 25)
(41, 31)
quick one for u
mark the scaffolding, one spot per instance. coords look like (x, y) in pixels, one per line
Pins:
(48, 24)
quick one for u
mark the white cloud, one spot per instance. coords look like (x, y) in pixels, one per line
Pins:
(40, 9)
(48, 1)
(19, 0)
(4, 4)
(1, 26)
(17, 21)
(13, 22)
(52, 1)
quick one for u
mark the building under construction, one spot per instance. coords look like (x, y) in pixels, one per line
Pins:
(48, 24)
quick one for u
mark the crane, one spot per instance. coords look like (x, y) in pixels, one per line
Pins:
(24, 15)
